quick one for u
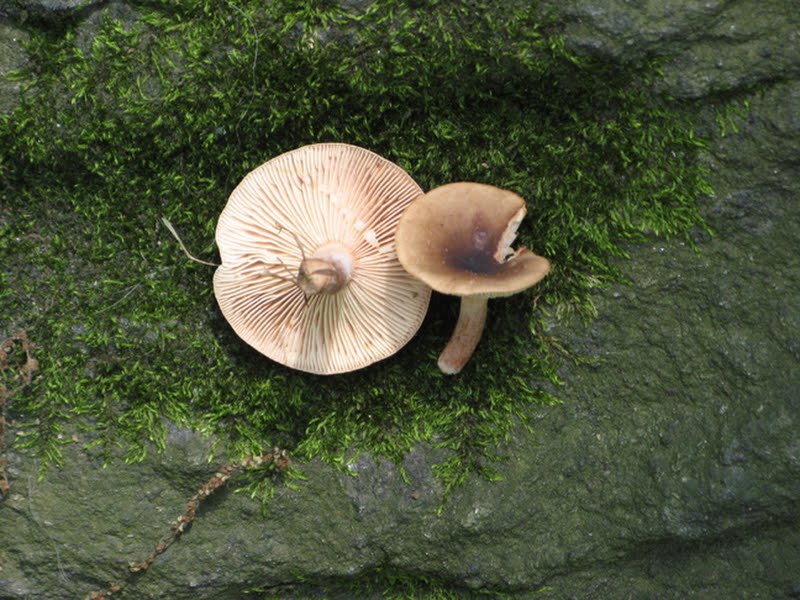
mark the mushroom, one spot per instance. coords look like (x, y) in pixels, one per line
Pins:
(309, 273)
(457, 239)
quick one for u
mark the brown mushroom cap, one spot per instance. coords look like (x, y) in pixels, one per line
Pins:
(457, 238)
(309, 273)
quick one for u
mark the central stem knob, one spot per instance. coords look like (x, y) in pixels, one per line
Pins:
(327, 271)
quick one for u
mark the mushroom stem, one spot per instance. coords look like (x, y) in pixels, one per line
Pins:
(318, 276)
(466, 335)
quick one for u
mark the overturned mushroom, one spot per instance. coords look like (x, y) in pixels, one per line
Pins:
(457, 239)
(309, 273)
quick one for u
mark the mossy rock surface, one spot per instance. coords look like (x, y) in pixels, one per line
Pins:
(649, 452)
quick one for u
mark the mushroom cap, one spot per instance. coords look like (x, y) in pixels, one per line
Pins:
(457, 239)
(320, 196)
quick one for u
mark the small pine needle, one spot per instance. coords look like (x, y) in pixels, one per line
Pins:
(174, 233)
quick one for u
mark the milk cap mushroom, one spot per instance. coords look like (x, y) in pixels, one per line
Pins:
(309, 273)
(457, 239)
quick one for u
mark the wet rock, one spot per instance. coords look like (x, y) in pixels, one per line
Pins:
(709, 46)
(22, 10)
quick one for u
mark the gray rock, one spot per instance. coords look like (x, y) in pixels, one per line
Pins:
(54, 5)
(710, 46)
(23, 9)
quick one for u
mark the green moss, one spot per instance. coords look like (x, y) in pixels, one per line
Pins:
(164, 115)
(382, 583)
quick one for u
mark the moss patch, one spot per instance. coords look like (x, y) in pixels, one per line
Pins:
(163, 114)
(387, 585)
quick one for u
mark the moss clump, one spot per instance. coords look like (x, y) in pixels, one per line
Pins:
(162, 114)
(381, 583)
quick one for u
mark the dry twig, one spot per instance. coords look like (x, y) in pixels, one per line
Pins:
(276, 457)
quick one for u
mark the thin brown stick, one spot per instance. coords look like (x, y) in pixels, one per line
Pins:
(277, 456)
